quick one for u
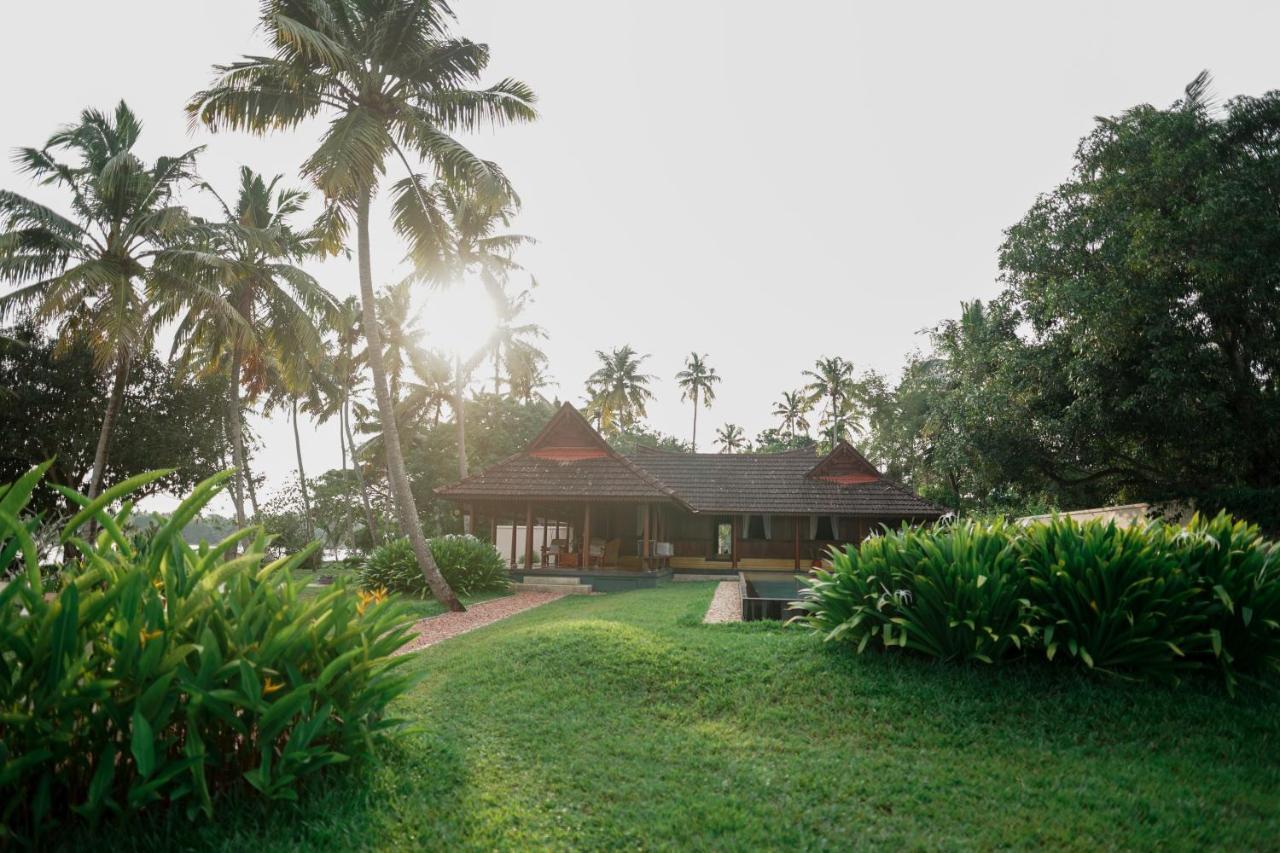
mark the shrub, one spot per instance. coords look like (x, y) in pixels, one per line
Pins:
(952, 597)
(165, 673)
(1116, 598)
(1152, 602)
(470, 565)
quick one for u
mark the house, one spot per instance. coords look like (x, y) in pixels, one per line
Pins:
(656, 512)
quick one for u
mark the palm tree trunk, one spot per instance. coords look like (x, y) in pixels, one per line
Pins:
(248, 479)
(374, 535)
(302, 475)
(396, 473)
(460, 416)
(114, 404)
(695, 420)
(342, 449)
(237, 448)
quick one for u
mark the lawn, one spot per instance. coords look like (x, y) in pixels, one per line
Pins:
(621, 721)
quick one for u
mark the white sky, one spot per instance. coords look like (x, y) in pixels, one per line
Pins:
(762, 182)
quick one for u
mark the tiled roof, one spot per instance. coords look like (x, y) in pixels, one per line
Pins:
(527, 476)
(569, 461)
(776, 483)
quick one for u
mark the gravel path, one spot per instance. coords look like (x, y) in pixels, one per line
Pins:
(435, 629)
(726, 605)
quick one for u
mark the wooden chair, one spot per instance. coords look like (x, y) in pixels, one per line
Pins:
(608, 554)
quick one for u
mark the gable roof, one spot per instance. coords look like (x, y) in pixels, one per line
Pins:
(568, 460)
(845, 466)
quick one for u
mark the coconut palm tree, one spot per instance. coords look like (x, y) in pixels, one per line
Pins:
(526, 372)
(831, 380)
(254, 250)
(698, 379)
(793, 409)
(732, 439)
(617, 392)
(477, 245)
(513, 342)
(96, 270)
(395, 84)
(298, 385)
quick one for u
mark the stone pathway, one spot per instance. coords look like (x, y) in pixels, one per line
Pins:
(436, 629)
(726, 605)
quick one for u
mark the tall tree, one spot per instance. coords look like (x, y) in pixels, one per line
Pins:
(277, 306)
(401, 333)
(479, 246)
(732, 439)
(513, 340)
(832, 381)
(697, 383)
(51, 393)
(617, 391)
(1146, 289)
(395, 83)
(95, 270)
(793, 410)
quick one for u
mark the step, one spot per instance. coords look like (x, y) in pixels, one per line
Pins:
(552, 579)
(569, 588)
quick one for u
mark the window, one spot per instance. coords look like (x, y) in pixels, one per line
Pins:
(724, 539)
(825, 532)
(755, 527)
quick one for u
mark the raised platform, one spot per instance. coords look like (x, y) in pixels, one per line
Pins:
(600, 580)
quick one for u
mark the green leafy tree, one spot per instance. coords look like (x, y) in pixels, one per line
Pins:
(697, 383)
(395, 84)
(1146, 285)
(617, 391)
(94, 270)
(773, 440)
(52, 393)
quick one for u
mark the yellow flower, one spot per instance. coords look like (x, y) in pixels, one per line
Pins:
(149, 635)
(271, 687)
(376, 596)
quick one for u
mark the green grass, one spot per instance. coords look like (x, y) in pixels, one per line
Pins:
(621, 721)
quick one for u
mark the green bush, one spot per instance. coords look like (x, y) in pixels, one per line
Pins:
(1153, 602)
(1115, 598)
(161, 673)
(470, 565)
(952, 597)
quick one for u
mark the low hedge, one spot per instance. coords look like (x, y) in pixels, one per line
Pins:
(470, 566)
(1158, 601)
(161, 674)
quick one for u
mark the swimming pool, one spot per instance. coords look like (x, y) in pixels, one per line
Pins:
(768, 595)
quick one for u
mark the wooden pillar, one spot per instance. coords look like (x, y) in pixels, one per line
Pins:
(513, 541)
(528, 536)
(644, 539)
(795, 522)
(544, 562)
(734, 549)
(586, 537)
(493, 530)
